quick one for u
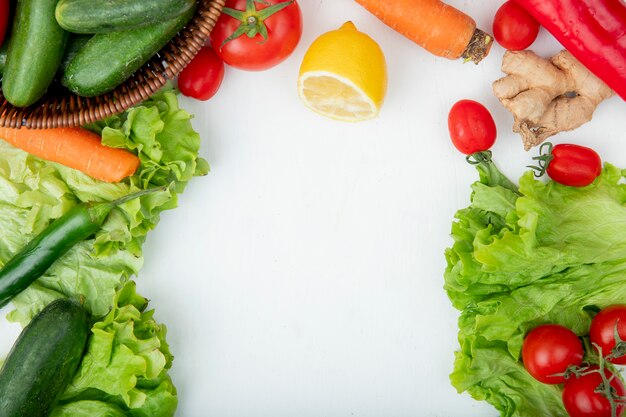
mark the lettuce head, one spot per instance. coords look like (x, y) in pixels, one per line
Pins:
(524, 256)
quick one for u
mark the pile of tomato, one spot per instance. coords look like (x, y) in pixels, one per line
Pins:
(473, 132)
(553, 354)
(251, 36)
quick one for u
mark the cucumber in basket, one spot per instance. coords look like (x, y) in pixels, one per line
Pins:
(74, 44)
(44, 360)
(101, 16)
(34, 52)
(109, 59)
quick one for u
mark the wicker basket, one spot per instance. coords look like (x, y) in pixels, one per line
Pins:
(60, 108)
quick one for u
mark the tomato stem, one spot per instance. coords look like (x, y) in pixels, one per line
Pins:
(605, 387)
(543, 159)
(253, 20)
(574, 371)
(620, 345)
(479, 157)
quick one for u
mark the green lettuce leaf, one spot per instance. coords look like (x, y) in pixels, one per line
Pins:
(125, 369)
(88, 408)
(126, 360)
(34, 192)
(542, 253)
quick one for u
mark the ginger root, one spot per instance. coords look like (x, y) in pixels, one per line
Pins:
(547, 96)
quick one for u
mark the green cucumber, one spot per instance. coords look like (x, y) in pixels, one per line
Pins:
(44, 360)
(74, 44)
(34, 52)
(109, 59)
(102, 16)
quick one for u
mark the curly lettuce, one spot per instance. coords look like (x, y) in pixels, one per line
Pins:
(125, 365)
(125, 369)
(540, 253)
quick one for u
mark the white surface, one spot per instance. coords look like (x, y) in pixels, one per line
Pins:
(303, 275)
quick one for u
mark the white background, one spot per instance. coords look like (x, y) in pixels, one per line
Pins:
(303, 275)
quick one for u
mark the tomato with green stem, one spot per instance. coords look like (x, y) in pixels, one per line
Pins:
(257, 35)
(590, 394)
(568, 164)
(549, 351)
(471, 127)
(608, 331)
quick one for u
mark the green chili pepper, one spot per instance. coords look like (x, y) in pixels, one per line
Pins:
(39, 254)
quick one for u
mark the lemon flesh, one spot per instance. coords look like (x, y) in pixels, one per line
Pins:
(336, 97)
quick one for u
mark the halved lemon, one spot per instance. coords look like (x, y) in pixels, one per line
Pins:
(344, 75)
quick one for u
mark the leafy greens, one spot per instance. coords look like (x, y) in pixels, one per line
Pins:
(125, 365)
(540, 253)
(125, 368)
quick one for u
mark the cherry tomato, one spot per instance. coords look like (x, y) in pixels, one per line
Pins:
(573, 165)
(471, 127)
(257, 35)
(549, 350)
(581, 399)
(513, 27)
(602, 331)
(202, 77)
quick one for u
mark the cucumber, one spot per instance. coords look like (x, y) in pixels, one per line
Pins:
(34, 52)
(74, 44)
(109, 59)
(44, 360)
(102, 16)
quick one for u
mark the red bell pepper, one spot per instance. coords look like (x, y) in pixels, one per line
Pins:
(594, 31)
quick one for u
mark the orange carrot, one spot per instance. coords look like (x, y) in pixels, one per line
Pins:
(437, 27)
(76, 148)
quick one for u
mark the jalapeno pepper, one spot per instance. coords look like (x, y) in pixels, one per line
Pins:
(594, 31)
(39, 254)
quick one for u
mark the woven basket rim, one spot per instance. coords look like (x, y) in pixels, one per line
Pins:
(67, 109)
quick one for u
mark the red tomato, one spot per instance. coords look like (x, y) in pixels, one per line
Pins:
(513, 27)
(602, 331)
(550, 349)
(574, 165)
(5, 10)
(471, 127)
(202, 77)
(255, 35)
(581, 399)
